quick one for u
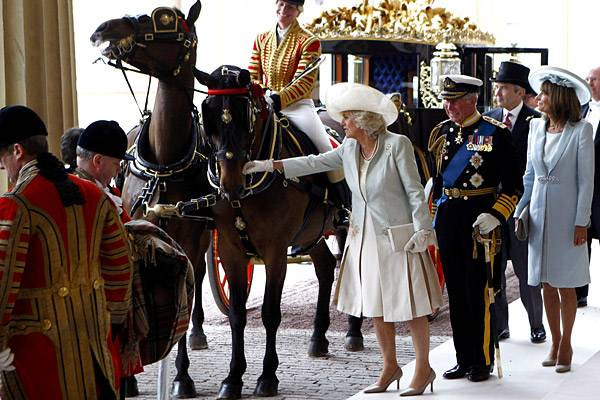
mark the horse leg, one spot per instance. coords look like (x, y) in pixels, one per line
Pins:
(183, 385)
(324, 263)
(197, 336)
(231, 387)
(267, 383)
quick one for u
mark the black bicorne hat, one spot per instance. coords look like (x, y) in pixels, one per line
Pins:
(515, 73)
(18, 123)
(106, 138)
(295, 2)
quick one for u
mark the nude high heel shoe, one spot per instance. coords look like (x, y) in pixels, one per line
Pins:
(560, 368)
(418, 391)
(383, 387)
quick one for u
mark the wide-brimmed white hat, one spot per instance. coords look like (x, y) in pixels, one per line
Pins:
(561, 77)
(348, 96)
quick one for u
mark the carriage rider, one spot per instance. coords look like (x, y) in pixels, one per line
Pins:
(279, 57)
(100, 149)
(476, 185)
(65, 272)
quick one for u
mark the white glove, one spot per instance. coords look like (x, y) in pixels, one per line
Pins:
(257, 166)
(6, 359)
(420, 240)
(486, 222)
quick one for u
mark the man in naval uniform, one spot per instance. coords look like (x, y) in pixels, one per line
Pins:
(65, 272)
(476, 185)
(510, 88)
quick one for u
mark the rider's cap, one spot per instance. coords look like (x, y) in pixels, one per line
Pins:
(106, 138)
(18, 123)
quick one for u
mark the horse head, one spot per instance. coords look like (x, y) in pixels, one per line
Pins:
(147, 42)
(233, 115)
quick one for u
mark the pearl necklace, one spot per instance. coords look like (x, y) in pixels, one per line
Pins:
(362, 153)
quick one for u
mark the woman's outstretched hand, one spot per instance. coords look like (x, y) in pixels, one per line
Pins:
(580, 236)
(257, 166)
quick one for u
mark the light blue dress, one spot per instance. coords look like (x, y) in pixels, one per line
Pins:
(559, 195)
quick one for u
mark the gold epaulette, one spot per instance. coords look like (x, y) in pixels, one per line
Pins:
(435, 145)
(434, 136)
(494, 122)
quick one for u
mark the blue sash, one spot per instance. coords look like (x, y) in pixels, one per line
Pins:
(459, 161)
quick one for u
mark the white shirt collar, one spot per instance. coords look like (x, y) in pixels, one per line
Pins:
(282, 32)
(514, 112)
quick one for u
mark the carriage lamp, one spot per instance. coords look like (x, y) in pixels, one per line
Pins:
(445, 61)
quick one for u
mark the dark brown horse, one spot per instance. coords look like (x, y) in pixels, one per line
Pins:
(261, 214)
(168, 166)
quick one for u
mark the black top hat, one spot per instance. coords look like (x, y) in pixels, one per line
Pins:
(515, 73)
(106, 138)
(18, 123)
(456, 86)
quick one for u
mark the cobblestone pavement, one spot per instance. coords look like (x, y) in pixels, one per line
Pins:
(338, 376)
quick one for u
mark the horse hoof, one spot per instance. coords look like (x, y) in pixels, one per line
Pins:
(318, 348)
(129, 386)
(354, 343)
(230, 391)
(183, 389)
(266, 388)
(198, 342)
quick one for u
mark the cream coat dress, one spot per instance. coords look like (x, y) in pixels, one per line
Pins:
(374, 280)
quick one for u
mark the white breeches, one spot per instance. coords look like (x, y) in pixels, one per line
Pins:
(303, 114)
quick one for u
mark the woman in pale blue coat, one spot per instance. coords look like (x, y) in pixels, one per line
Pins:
(386, 272)
(558, 187)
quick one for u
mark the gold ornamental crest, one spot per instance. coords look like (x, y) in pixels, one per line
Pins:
(414, 21)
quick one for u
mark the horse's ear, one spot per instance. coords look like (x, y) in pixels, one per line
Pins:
(205, 79)
(243, 78)
(193, 13)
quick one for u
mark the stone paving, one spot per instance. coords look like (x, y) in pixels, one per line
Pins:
(338, 376)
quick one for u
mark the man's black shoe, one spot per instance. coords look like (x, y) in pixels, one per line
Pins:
(457, 372)
(504, 334)
(479, 373)
(582, 302)
(538, 335)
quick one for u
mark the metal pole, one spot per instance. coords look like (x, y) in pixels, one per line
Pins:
(162, 390)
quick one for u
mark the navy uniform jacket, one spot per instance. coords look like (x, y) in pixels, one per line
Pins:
(492, 166)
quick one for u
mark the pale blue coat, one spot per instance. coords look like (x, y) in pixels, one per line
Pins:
(559, 198)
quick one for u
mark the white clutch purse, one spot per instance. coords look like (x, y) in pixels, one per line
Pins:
(399, 235)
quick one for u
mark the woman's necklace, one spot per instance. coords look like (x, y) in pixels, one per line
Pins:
(555, 127)
(368, 158)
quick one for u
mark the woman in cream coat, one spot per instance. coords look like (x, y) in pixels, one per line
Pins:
(558, 186)
(383, 275)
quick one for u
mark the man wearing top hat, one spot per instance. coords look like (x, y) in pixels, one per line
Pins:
(475, 189)
(65, 272)
(100, 149)
(510, 88)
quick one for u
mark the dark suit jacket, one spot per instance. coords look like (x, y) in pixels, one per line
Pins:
(595, 228)
(519, 133)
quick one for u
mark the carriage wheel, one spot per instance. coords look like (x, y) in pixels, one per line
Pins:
(216, 274)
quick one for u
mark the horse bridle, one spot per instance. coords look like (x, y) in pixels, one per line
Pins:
(248, 94)
(163, 25)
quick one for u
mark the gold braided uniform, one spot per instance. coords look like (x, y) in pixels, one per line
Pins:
(274, 66)
(65, 276)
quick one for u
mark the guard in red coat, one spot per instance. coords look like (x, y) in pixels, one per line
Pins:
(65, 272)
